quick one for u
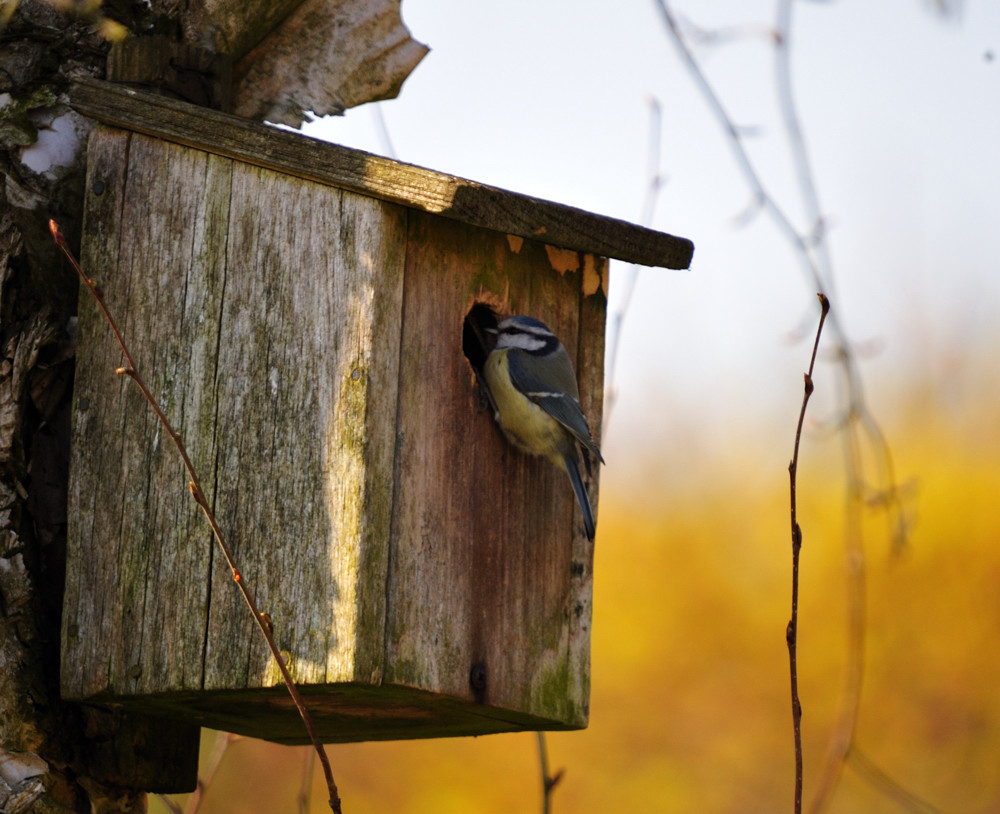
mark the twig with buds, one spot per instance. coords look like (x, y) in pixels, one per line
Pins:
(194, 483)
(791, 633)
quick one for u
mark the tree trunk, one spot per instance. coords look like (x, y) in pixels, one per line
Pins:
(64, 757)
(51, 753)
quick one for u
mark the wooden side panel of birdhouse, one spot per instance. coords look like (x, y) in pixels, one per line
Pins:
(264, 313)
(490, 579)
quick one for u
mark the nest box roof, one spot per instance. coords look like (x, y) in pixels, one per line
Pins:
(367, 174)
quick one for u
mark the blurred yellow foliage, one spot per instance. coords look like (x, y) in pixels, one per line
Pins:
(690, 697)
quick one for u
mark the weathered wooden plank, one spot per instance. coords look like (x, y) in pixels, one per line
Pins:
(590, 372)
(482, 573)
(306, 428)
(91, 558)
(100, 639)
(137, 485)
(357, 171)
(175, 267)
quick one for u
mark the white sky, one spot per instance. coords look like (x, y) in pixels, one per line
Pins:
(901, 111)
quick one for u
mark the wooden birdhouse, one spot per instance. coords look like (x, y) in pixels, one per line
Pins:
(297, 309)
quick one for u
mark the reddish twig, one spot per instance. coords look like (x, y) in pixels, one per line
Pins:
(549, 781)
(194, 483)
(791, 633)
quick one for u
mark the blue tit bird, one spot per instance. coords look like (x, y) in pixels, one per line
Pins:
(536, 401)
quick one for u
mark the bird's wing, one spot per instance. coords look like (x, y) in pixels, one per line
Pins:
(562, 406)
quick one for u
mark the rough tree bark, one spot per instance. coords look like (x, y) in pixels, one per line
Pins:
(46, 745)
(56, 757)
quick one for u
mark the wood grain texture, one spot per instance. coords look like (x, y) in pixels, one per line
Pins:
(125, 478)
(264, 313)
(446, 195)
(177, 69)
(487, 573)
(307, 343)
(310, 349)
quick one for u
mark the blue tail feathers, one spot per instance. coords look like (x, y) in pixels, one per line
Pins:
(581, 496)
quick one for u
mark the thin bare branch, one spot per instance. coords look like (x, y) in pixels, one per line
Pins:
(223, 740)
(655, 175)
(549, 782)
(378, 117)
(735, 139)
(800, 154)
(906, 799)
(791, 633)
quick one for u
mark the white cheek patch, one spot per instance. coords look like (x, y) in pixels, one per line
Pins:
(523, 341)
